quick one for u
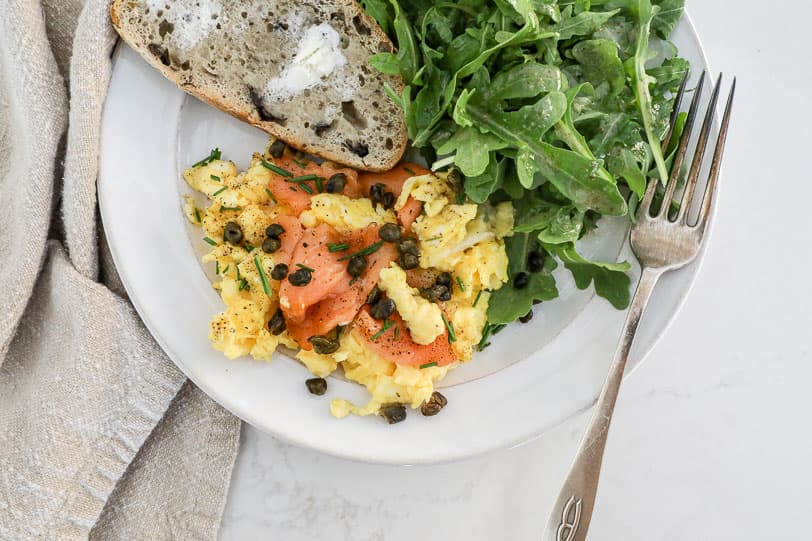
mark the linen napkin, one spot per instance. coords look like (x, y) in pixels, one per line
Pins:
(101, 436)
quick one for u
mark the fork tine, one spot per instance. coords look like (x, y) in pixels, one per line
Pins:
(679, 158)
(675, 113)
(644, 209)
(713, 177)
(699, 155)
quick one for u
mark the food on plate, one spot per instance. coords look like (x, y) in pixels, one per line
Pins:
(297, 70)
(385, 275)
(536, 119)
(559, 107)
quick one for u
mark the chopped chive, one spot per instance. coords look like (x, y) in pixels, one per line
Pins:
(476, 300)
(216, 267)
(292, 188)
(337, 246)
(218, 192)
(249, 247)
(210, 241)
(451, 336)
(410, 171)
(197, 215)
(369, 250)
(299, 163)
(215, 178)
(428, 365)
(303, 178)
(397, 332)
(432, 239)
(244, 285)
(215, 154)
(305, 267)
(459, 283)
(225, 270)
(238, 272)
(483, 342)
(276, 169)
(319, 184)
(229, 208)
(386, 326)
(262, 277)
(353, 280)
(305, 187)
(270, 194)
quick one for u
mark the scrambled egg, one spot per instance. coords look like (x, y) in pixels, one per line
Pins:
(465, 240)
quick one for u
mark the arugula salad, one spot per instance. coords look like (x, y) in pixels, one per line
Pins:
(559, 106)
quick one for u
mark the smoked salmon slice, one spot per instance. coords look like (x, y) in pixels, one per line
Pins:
(293, 191)
(332, 298)
(398, 346)
(290, 238)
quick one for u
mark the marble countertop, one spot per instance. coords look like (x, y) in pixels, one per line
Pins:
(711, 438)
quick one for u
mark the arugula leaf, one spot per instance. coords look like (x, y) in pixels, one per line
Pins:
(667, 18)
(600, 62)
(508, 304)
(472, 149)
(381, 11)
(610, 279)
(636, 69)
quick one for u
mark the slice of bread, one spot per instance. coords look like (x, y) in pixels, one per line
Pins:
(295, 69)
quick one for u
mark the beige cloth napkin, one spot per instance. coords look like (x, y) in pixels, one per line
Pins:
(100, 435)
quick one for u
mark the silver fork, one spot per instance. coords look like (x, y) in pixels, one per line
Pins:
(661, 245)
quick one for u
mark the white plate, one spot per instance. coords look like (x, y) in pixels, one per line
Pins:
(538, 374)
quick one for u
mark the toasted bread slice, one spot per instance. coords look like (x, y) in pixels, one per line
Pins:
(295, 69)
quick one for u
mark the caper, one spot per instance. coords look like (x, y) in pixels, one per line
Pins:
(455, 178)
(336, 183)
(389, 232)
(444, 279)
(232, 233)
(434, 293)
(521, 280)
(409, 261)
(277, 149)
(445, 295)
(408, 246)
(317, 386)
(300, 278)
(382, 309)
(279, 271)
(271, 244)
(374, 296)
(277, 323)
(323, 345)
(376, 193)
(535, 261)
(388, 200)
(274, 231)
(433, 405)
(527, 317)
(393, 413)
(356, 265)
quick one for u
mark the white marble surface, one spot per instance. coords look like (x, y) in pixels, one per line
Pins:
(712, 436)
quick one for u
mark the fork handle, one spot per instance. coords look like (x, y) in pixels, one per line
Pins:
(572, 512)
